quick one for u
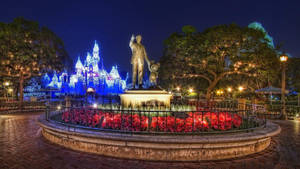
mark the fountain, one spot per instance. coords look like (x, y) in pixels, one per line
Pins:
(147, 126)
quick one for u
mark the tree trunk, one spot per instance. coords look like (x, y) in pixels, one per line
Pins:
(208, 94)
(21, 86)
(16, 93)
(211, 87)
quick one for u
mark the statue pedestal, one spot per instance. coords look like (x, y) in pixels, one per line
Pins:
(137, 98)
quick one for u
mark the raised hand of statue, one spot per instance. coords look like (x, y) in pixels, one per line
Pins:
(132, 37)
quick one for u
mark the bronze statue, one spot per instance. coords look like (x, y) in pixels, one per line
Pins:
(153, 68)
(137, 59)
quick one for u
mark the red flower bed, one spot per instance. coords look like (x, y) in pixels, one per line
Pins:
(197, 121)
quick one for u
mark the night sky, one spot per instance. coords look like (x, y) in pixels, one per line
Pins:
(111, 23)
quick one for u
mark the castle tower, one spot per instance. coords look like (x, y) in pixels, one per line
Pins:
(96, 56)
(79, 66)
(88, 60)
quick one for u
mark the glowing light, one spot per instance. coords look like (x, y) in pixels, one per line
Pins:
(88, 75)
(178, 89)
(10, 90)
(138, 98)
(95, 105)
(79, 64)
(58, 107)
(88, 59)
(55, 83)
(90, 90)
(283, 58)
(114, 73)
(229, 89)
(241, 88)
(219, 92)
(191, 90)
(6, 83)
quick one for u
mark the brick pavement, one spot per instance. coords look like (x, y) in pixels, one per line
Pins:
(22, 146)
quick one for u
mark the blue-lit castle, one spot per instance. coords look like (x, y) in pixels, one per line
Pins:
(90, 76)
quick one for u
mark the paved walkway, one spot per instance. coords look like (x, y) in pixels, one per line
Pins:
(22, 146)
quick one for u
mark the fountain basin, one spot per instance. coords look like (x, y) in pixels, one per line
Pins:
(159, 147)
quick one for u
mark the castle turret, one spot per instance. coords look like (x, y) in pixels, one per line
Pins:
(96, 52)
(79, 64)
(88, 60)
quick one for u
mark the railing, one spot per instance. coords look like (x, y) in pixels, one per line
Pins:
(274, 111)
(13, 107)
(217, 119)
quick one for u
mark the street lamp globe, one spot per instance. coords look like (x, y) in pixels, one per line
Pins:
(229, 89)
(241, 88)
(6, 83)
(283, 58)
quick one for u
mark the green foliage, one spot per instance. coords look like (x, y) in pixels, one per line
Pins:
(26, 50)
(26, 47)
(208, 59)
(293, 73)
(188, 29)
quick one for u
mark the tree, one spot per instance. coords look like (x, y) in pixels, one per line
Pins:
(218, 53)
(293, 73)
(27, 50)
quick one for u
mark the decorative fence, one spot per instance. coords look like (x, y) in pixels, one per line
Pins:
(274, 111)
(178, 119)
(27, 106)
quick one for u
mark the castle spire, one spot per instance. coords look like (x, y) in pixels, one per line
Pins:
(96, 47)
(79, 64)
(88, 59)
(96, 56)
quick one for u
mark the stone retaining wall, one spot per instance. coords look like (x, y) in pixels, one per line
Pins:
(162, 147)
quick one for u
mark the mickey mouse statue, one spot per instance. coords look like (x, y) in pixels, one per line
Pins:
(153, 68)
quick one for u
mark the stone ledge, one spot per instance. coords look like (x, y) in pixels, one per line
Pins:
(160, 147)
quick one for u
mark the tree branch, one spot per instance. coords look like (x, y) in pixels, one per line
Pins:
(28, 76)
(6, 74)
(234, 72)
(212, 72)
(209, 71)
(196, 75)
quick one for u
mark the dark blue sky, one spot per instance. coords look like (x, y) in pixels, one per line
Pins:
(111, 22)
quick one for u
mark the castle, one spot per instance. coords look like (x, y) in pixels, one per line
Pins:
(90, 76)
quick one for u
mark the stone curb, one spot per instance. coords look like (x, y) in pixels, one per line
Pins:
(160, 147)
(270, 130)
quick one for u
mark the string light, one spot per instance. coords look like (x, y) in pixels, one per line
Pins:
(95, 105)
(241, 88)
(229, 89)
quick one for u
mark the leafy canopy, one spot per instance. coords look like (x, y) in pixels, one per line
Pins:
(218, 52)
(26, 49)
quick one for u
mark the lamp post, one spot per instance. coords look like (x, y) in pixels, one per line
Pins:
(229, 91)
(10, 92)
(283, 60)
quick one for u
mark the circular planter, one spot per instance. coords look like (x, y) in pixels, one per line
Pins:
(160, 147)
